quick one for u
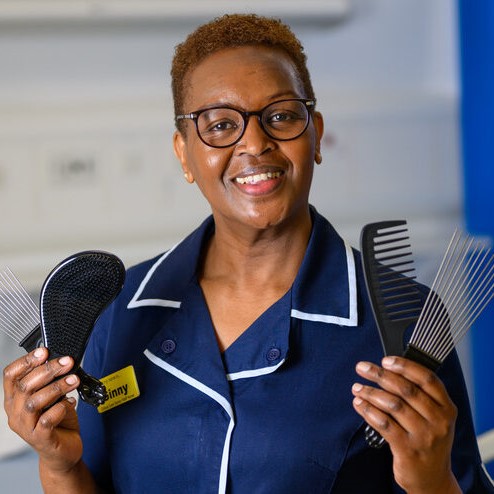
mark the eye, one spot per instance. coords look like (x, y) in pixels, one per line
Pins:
(218, 121)
(280, 116)
(283, 117)
(221, 126)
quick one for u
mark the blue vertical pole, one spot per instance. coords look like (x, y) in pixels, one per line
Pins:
(476, 35)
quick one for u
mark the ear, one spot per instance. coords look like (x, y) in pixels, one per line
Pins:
(318, 123)
(319, 128)
(179, 148)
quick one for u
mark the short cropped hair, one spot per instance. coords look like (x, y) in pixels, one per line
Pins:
(230, 31)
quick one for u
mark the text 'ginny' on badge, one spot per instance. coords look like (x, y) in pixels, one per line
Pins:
(121, 387)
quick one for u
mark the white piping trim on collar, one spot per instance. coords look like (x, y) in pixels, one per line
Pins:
(352, 320)
(152, 301)
(487, 474)
(216, 397)
(254, 373)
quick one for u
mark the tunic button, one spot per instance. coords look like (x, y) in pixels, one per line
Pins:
(273, 354)
(168, 346)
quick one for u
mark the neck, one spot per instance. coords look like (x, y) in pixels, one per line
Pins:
(252, 257)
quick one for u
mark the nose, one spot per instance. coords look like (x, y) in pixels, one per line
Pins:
(254, 140)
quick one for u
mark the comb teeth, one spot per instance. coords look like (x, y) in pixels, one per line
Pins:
(393, 271)
(394, 295)
(18, 312)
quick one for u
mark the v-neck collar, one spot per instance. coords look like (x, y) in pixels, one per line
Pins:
(323, 291)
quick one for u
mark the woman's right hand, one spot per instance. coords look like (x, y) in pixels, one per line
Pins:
(39, 412)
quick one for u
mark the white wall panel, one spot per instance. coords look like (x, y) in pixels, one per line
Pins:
(85, 127)
(88, 176)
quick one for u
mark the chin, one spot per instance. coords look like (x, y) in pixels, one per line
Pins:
(264, 220)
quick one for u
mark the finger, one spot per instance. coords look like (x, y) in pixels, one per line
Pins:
(30, 396)
(41, 436)
(422, 377)
(407, 402)
(24, 411)
(36, 404)
(441, 409)
(43, 375)
(381, 422)
(21, 367)
(54, 415)
(386, 409)
(415, 393)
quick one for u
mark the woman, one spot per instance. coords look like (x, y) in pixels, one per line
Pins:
(244, 337)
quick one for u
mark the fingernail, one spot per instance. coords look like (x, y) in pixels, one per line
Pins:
(39, 352)
(357, 401)
(357, 387)
(388, 361)
(71, 380)
(71, 399)
(363, 366)
(64, 361)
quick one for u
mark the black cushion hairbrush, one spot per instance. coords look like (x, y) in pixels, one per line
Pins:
(72, 297)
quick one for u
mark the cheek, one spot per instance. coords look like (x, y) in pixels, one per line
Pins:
(207, 166)
(211, 167)
(302, 157)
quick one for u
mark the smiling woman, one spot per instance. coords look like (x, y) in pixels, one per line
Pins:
(258, 185)
(264, 78)
(246, 336)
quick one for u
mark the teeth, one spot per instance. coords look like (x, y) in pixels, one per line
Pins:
(254, 179)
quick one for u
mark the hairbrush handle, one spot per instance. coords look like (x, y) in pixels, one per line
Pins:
(91, 390)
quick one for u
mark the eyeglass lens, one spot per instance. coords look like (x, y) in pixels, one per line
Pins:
(282, 120)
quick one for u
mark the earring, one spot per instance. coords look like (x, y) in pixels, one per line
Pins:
(189, 177)
(318, 157)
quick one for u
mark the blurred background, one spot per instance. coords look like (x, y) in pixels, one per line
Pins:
(86, 121)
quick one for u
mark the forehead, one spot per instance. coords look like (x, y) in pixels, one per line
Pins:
(243, 76)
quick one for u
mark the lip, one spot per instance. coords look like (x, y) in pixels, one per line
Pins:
(259, 180)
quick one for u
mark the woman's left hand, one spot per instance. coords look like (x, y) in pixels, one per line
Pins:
(413, 412)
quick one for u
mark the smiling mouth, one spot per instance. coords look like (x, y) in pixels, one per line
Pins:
(260, 177)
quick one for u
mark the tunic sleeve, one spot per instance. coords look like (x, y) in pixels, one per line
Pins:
(466, 462)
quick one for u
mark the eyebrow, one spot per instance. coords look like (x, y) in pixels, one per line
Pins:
(273, 99)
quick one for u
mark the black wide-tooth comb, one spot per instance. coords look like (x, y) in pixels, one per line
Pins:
(390, 279)
(71, 300)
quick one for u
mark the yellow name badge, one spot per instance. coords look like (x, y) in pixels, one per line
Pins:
(121, 387)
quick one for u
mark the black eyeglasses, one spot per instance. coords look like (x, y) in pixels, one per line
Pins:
(224, 126)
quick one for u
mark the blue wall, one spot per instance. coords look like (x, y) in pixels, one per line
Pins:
(476, 34)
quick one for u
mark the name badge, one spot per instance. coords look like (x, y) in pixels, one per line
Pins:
(121, 387)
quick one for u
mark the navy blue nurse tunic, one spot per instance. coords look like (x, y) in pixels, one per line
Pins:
(273, 413)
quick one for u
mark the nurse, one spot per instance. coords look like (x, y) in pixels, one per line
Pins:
(245, 337)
